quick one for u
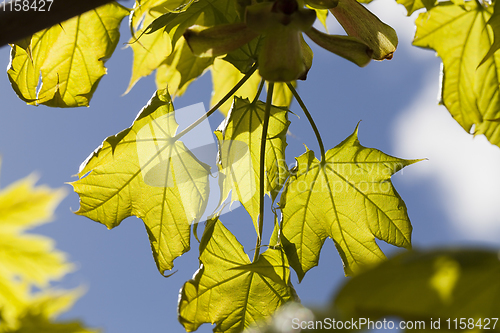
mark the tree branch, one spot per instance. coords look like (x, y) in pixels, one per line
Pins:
(16, 25)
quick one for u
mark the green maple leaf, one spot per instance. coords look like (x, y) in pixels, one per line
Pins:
(461, 37)
(69, 58)
(349, 198)
(432, 284)
(239, 138)
(228, 289)
(142, 171)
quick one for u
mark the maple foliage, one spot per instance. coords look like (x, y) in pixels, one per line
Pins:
(250, 46)
(142, 172)
(245, 292)
(350, 199)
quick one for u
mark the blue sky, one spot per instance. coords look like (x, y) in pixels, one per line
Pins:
(451, 197)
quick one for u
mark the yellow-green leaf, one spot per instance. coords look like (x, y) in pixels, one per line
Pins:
(51, 303)
(461, 37)
(34, 323)
(40, 313)
(206, 13)
(239, 138)
(246, 56)
(165, 50)
(348, 197)
(14, 296)
(224, 78)
(414, 5)
(23, 206)
(33, 257)
(440, 285)
(282, 96)
(68, 58)
(143, 8)
(175, 67)
(228, 289)
(494, 23)
(150, 50)
(143, 172)
(180, 69)
(28, 260)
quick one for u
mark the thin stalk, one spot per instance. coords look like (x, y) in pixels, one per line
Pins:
(258, 91)
(216, 106)
(311, 121)
(263, 140)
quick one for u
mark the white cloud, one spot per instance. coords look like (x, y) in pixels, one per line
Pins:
(465, 169)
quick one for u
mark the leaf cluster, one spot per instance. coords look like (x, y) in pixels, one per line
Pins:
(346, 194)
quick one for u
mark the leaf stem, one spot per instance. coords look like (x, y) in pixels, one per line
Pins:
(258, 91)
(263, 140)
(311, 121)
(216, 106)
